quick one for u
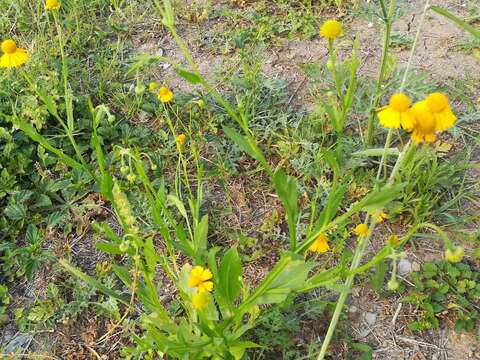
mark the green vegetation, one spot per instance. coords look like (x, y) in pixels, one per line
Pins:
(222, 221)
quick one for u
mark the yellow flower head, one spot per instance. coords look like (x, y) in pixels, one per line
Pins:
(199, 278)
(424, 129)
(320, 245)
(200, 300)
(444, 117)
(180, 140)
(152, 86)
(361, 230)
(455, 255)
(397, 113)
(331, 29)
(12, 56)
(52, 4)
(165, 94)
(381, 215)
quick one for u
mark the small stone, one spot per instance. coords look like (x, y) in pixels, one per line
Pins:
(404, 267)
(352, 309)
(370, 318)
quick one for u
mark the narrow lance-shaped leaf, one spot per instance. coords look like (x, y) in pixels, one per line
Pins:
(229, 273)
(458, 21)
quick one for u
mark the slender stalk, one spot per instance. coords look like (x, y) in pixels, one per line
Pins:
(383, 67)
(361, 247)
(357, 258)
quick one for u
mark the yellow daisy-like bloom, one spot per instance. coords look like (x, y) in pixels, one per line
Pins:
(12, 56)
(52, 4)
(320, 245)
(381, 215)
(361, 230)
(180, 140)
(199, 278)
(165, 94)
(200, 300)
(455, 255)
(397, 113)
(152, 86)
(425, 125)
(442, 113)
(331, 29)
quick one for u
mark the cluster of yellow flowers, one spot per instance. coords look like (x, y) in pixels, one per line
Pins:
(424, 119)
(200, 278)
(320, 245)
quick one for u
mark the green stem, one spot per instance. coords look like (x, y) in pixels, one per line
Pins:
(381, 72)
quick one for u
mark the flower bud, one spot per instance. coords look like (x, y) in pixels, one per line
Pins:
(454, 255)
(124, 169)
(140, 89)
(392, 285)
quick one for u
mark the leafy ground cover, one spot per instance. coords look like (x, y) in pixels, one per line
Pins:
(126, 159)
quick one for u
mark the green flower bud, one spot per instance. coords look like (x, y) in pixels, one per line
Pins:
(140, 89)
(392, 285)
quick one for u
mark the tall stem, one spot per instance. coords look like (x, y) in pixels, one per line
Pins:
(383, 67)
(360, 249)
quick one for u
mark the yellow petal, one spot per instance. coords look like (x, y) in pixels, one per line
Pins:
(407, 120)
(445, 119)
(389, 118)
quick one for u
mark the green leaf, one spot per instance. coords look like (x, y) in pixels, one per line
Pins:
(378, 277)
(189, 76)
(200, 235)
(15, 211)
(55, 218)
(151, 256)
(286, 188)
(241, 141)
(181, 208)
(91, 281)
(35, 136)
(456, 20)
(288, 275)
(109, 248)
(377, 152)
(32, 235)
(379, 198)
(229, 275)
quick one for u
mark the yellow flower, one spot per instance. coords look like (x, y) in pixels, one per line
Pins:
(331, 29)
(180, 140)
(455, 255)
(397, 113)
(165, 94)
(200, 300)
(361, 230)
(424, 129)
(320, 245)
(199, 277)
(442, 113)
(12, 56)
(152, 86)
(381, 215)
(52, 4)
